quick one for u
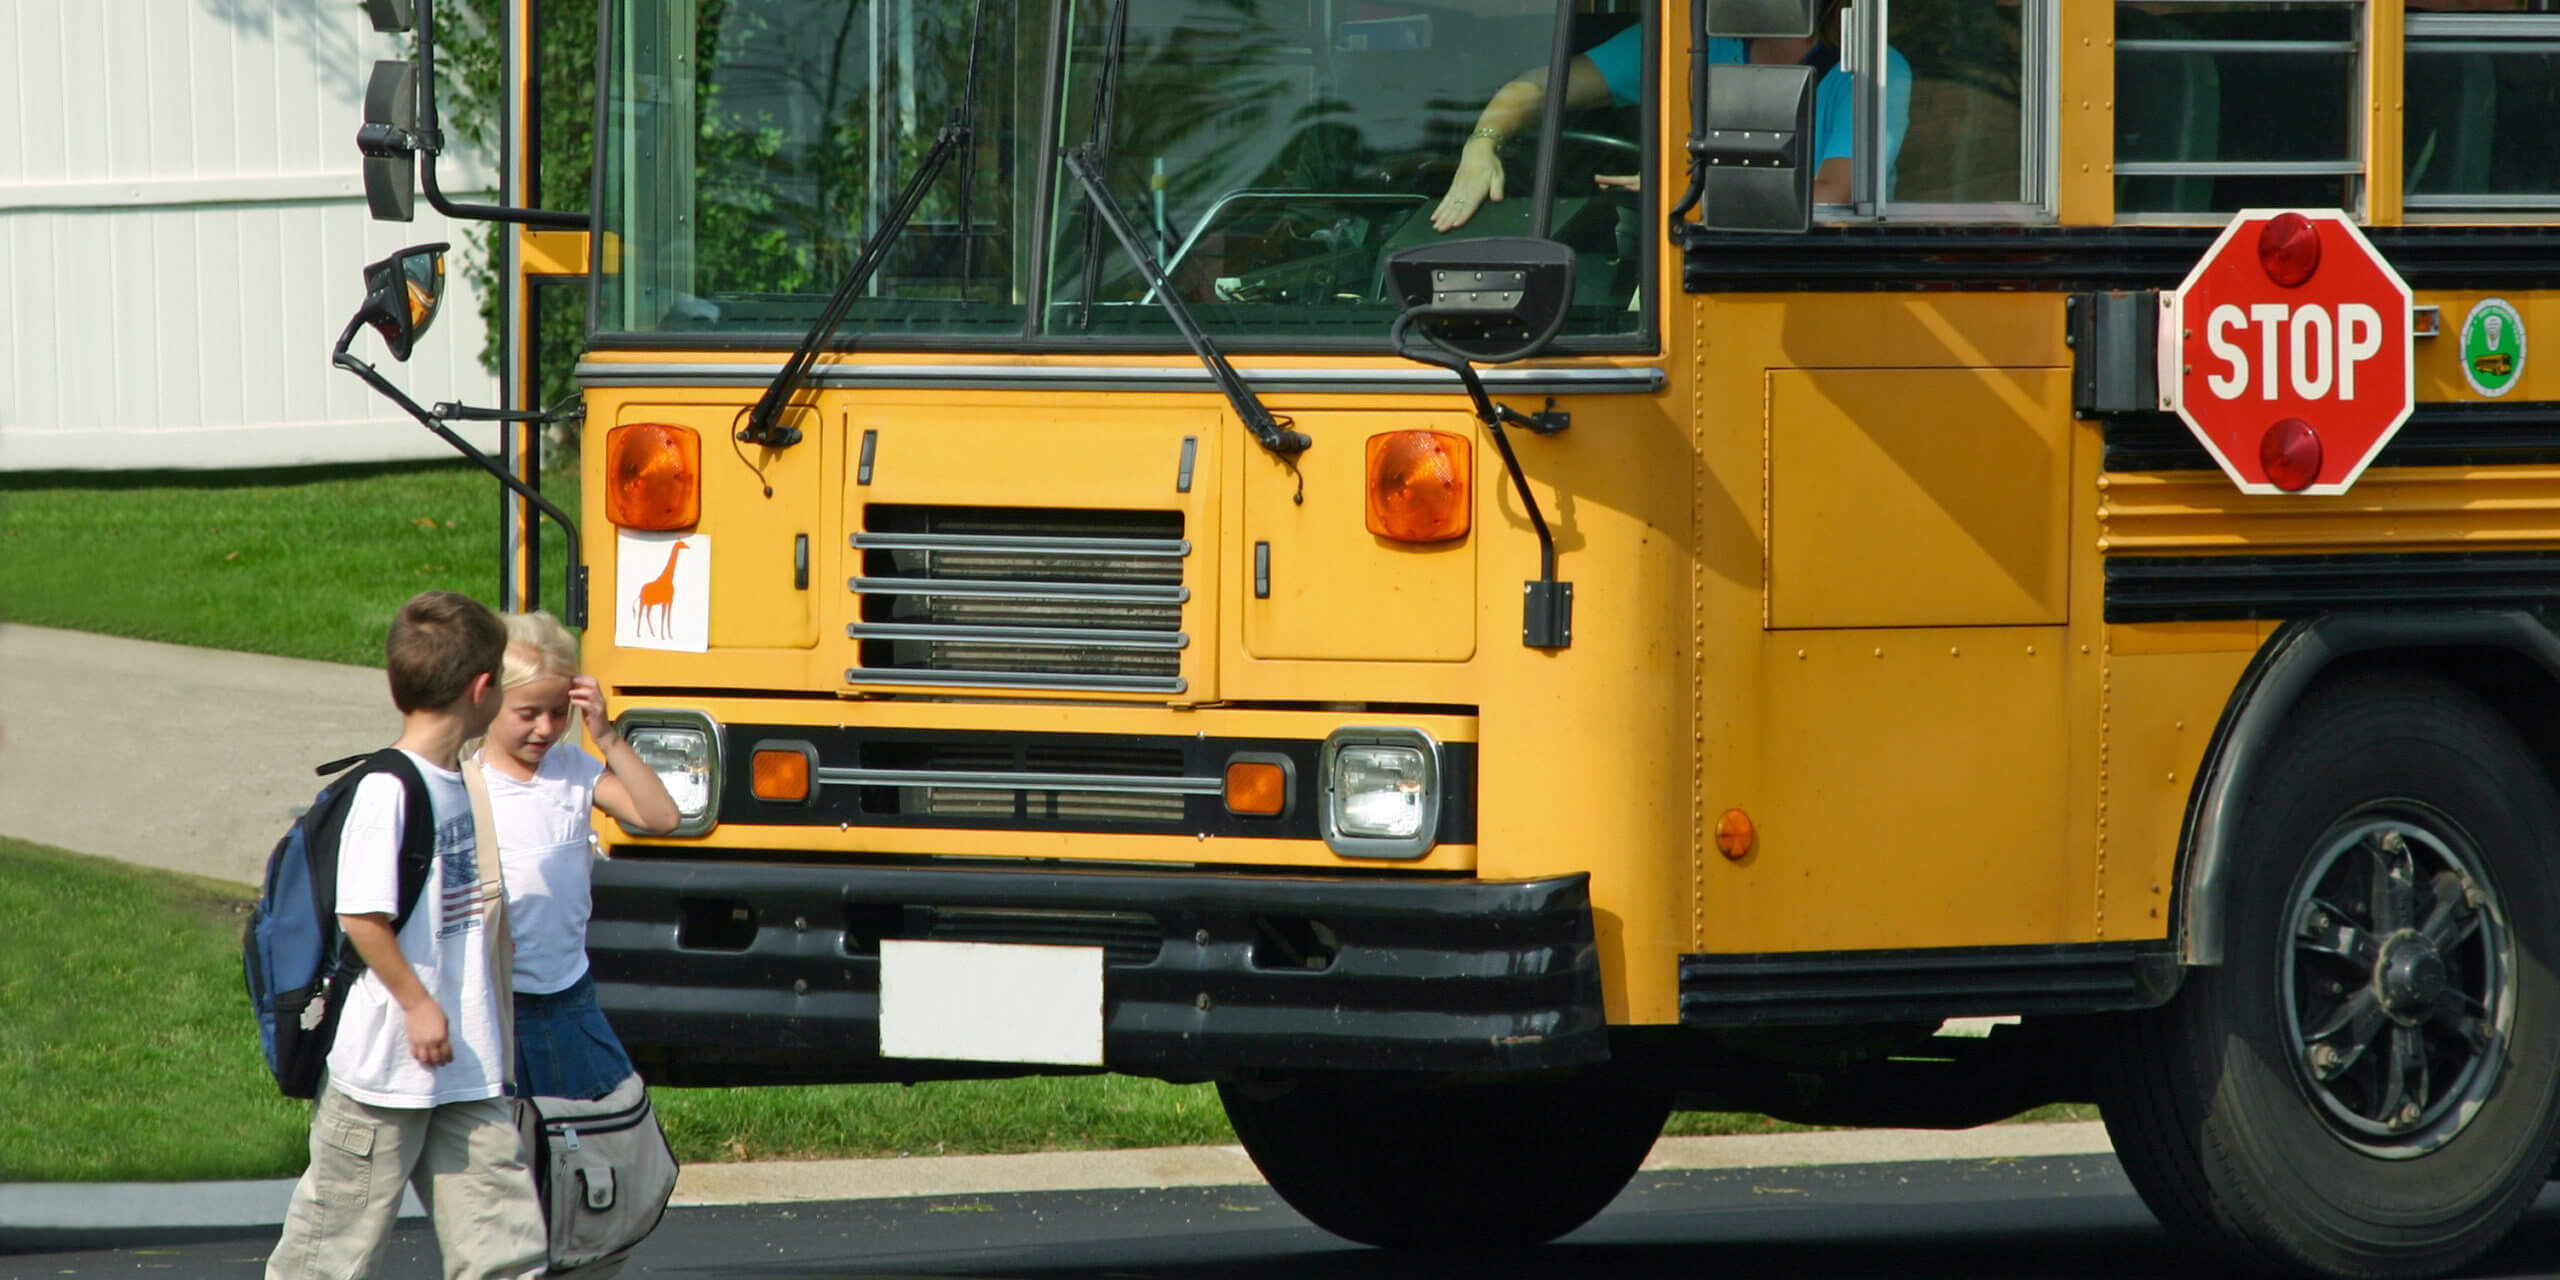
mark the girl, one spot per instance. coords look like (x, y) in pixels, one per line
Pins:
(542, 788)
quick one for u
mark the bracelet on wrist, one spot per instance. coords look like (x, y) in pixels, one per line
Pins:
(1493, 136)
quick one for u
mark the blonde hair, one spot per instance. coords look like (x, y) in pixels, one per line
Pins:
(538, 648)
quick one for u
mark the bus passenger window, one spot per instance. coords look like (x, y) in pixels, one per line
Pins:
(1971, 140)
(2483, 85)
(2222, 107)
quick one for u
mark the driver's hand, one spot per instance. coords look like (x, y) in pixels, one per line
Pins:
(1479, 179)
(1616, 181)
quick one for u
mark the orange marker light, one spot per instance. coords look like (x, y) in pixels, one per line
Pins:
(1734, 835)
(1257, 787)
(653, 476)
(1418, 489)
(781, 775)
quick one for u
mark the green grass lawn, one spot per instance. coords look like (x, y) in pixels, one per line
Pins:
(122, 1011)
(306, 563)
(126, 1041)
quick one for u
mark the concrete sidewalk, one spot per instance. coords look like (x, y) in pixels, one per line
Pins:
(184, 759)
(235, 1205)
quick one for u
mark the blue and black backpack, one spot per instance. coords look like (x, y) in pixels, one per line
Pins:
(298, 962)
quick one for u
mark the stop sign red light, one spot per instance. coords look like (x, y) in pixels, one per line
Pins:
(2287, 351)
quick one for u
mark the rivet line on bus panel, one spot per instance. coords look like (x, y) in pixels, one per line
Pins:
(2106, 724)
(1699, 481)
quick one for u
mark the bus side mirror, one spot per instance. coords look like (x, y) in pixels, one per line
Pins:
(389, 141)
(391, 15)
(1751, 19)
(401, 294)
(1754, 149)
(1493, 301)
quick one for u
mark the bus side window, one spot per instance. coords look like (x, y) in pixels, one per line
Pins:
(2482, 88)
(1968, 141)
(1955, 130)
(2238, 105)
(2176, 118)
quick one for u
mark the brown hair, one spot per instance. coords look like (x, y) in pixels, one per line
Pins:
(437, 644)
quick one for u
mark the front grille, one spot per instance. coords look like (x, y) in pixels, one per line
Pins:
(1000, 597)
(1084, 783)
(1126, 937)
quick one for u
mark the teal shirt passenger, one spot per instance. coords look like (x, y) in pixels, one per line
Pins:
(1620, 58)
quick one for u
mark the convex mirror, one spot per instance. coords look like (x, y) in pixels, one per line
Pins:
(401, 294)
(1492, 301)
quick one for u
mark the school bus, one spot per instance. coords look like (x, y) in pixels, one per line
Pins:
(1129, 562)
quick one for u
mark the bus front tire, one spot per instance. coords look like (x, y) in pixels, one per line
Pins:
(2366, 1085)
(1446, 1166)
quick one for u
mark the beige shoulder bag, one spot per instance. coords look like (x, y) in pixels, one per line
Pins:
(493, 899)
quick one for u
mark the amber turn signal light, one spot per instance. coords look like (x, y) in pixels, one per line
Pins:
(781, 775)
(1257, 787)
(1418, 486)
(1734, 835)
(653, 476)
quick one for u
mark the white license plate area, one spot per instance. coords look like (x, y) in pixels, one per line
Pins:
(991, 1002)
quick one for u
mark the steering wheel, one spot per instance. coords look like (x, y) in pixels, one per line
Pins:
(1601, 141)
(1581, 153)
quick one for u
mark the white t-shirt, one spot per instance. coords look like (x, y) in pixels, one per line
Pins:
(446, 942)
(546, 833)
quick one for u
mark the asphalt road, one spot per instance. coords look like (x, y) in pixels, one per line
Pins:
(2067, 1218)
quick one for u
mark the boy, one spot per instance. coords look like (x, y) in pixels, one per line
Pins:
(416, 1071)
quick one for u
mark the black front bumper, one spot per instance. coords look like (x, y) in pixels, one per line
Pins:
(731, 972)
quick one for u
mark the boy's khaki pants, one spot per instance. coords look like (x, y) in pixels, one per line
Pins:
(467, 1164)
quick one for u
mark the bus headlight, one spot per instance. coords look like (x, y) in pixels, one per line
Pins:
(1381, 792)
(683, 749)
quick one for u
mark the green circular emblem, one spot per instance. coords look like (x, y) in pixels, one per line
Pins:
(2492, 347)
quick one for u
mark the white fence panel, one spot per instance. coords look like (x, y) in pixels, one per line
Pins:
(182, 227)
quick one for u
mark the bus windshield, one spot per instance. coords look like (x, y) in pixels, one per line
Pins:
(1272, 153)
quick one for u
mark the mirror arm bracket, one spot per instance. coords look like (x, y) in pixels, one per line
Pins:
(388, 141)
(1680, 226)
(1546, 619)
(1545, 422)
(574, 608)
(450, 411)
(429, 140)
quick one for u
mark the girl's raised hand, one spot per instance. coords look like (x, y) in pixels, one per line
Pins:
(588, 697)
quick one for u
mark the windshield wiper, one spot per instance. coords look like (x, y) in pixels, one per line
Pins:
(1274, 432)
(1106, 92)
(764, 421)
(1086, 164)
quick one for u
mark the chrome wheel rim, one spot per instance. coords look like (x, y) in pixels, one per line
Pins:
(2399, 980)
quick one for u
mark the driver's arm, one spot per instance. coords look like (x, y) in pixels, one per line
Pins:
(1831, 181)
(1514, 107)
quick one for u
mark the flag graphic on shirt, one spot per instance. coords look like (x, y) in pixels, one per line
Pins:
(458, 874)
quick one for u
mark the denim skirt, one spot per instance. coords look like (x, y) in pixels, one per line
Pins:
(563, 1047)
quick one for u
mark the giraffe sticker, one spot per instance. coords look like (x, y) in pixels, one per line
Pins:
(662, 591)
